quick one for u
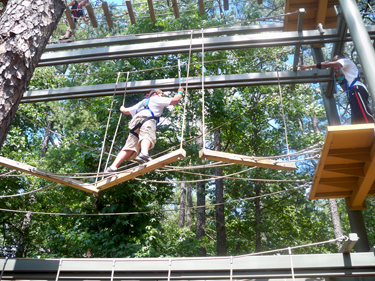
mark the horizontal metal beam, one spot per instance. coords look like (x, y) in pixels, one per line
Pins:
(141, 87)
(307, 37)
(219, 268)
(162, 36)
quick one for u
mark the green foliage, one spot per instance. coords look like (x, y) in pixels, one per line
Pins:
(251, 123)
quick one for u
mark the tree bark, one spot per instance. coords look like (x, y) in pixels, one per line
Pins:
(47, 136)
(258, 237)
(201, 215)
(221, 246)
(201, 212)
(189, 204)
(181, 217)
(25, 29)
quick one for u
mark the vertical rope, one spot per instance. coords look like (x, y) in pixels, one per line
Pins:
(282, 110)
(58, 270)
(118, 123)
(106, 130)
(231, 268)
(186, 92)
(291, 263)
(169, 269)
(2, 272)
(203, 125)
(179, 69)
(113, 269)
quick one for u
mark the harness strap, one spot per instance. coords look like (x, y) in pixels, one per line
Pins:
(140, 124)
(144, 106)
(347, 87)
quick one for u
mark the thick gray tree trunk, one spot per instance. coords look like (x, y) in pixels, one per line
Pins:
(221, 246)
(26, 26)
(181, 217)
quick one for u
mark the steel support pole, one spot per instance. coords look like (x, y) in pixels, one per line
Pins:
(357, 225)
(366, 55)
(328, 99)
(361, 41)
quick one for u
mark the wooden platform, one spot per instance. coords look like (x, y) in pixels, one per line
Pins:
(110, 181)
(142, 169)
(346, 168)
(46, 175)
(246, 160)
(317, 11)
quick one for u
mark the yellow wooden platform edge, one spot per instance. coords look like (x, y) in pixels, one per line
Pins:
(246, 160)
(354, 161)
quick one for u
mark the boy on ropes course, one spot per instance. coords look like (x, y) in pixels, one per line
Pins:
(77, 12)
(355, 89)
(145, 115)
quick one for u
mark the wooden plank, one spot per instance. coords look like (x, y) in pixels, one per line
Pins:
(46, 175)
(130, 11)
(107, 13)
(201, 7)
(322, 12)
(348, 150)
(246, 160)
(175, 9)
(358, 197)
(69, 18)
(327, 195)
(151, 10)
(131, 173)
(92, 16)
(354, 169)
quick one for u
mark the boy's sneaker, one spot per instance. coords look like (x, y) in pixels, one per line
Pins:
(110, 170)
(142, 158)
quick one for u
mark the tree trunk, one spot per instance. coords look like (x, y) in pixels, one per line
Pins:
(201, 212)
(25, 29)
(258, 237)
(335, 217)
(181, 217)
(21, 247)
(221, 246)
(201, 215)
(46, 138)
(189, 204)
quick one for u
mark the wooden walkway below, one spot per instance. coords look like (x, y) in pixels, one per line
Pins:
(346, 168)
(246, 160)
(113, 179)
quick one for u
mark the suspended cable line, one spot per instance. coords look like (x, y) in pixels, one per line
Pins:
(159, 211)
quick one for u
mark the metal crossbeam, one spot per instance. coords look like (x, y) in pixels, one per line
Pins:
(309, 37)
(155, 37)
(306, 267)
(219, 81)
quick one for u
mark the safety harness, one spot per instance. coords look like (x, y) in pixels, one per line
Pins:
(347, 87)
(144, 106)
